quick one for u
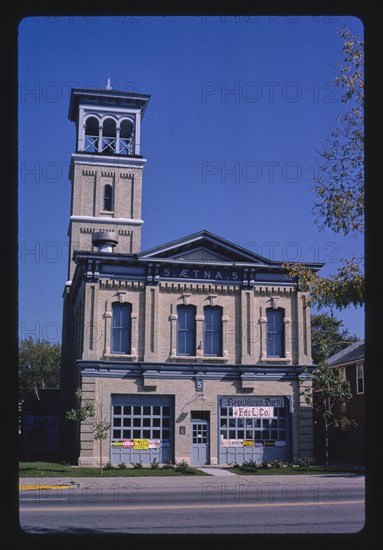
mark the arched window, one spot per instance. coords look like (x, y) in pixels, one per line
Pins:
(121, 340)
(212, 331)
(275, 332)
(91, 135)
(126, 138)
(108, 198)
(109, 137)
(186, 330)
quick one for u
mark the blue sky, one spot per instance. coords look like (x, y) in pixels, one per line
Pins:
(239, 109)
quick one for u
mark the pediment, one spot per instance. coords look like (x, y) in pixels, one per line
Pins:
(203, 247)
(201, 254)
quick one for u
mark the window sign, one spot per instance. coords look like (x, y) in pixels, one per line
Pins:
(141, 444)
(240, 401)
(253, 412)
(232, 442)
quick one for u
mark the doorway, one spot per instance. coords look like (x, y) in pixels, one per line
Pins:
(200, 438)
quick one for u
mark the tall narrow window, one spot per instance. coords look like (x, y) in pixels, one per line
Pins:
(121, 328)
(109, 137)
(359, 378)
(186, 330)
(213, 331)
(275, 332)
(126, 138)
(91, 135)
(108, 198)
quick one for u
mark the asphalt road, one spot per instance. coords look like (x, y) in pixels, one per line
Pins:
(194, 505)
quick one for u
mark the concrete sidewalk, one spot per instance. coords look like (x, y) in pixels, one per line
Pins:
(68, 482)
(214, 471)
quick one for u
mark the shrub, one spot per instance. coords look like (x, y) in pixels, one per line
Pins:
(249, 466)
(304, 462)
(154, 464)
(183, 467)
(122, 466)
(276, 463)
(108, 466)
(169, 465)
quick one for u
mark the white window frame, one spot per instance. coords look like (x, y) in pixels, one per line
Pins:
(359, 368)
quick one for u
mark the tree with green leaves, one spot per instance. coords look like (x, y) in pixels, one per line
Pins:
(329, 392)
(87, 411)
(339, 185)
(328, 337)
(327, 396)
(39, 367)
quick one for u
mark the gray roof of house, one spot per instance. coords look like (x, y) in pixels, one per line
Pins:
(351, 354)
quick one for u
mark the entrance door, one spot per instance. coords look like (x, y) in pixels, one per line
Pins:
(200, 451)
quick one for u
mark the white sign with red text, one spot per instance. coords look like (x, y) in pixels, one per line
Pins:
(253, 412)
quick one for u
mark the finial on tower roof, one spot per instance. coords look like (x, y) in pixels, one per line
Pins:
(108, 86)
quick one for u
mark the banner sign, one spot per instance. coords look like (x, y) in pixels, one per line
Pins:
(240, 443)
(140, 444)
(253, 412)
(252, 401)
(232, 442)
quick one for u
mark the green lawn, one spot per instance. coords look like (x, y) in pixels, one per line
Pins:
(289, 470)
(52, 469)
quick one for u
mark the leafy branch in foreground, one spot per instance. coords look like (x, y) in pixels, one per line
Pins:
(339, 183)
(341, 290)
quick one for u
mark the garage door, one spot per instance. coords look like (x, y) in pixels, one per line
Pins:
(253, 428)
(142, 429)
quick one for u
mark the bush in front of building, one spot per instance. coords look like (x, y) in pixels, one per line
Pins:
(183, 467)
(304, 462)
(253, 466)
(169, 465)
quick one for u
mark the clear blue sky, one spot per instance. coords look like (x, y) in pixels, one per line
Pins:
(239, 108)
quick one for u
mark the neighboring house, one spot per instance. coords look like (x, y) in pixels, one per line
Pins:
(39, 426)
(195, 350)
(348, 446)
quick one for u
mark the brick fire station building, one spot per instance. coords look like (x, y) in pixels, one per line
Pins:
(194, 350)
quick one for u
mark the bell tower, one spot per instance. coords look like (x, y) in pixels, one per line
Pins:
(106, 169)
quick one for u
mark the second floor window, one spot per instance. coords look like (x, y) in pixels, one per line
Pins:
(186, 330)
(213, 330)
(108, 198)
(121, 328)
(275, 332)
(359, 378)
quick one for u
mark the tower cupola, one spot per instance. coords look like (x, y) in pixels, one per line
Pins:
(108, 122)
(106, 170)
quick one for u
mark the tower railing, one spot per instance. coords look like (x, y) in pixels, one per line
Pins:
(91, 144)
(120, 146)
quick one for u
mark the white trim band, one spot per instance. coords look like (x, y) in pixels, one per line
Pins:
(95, 160)
(106, 221)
